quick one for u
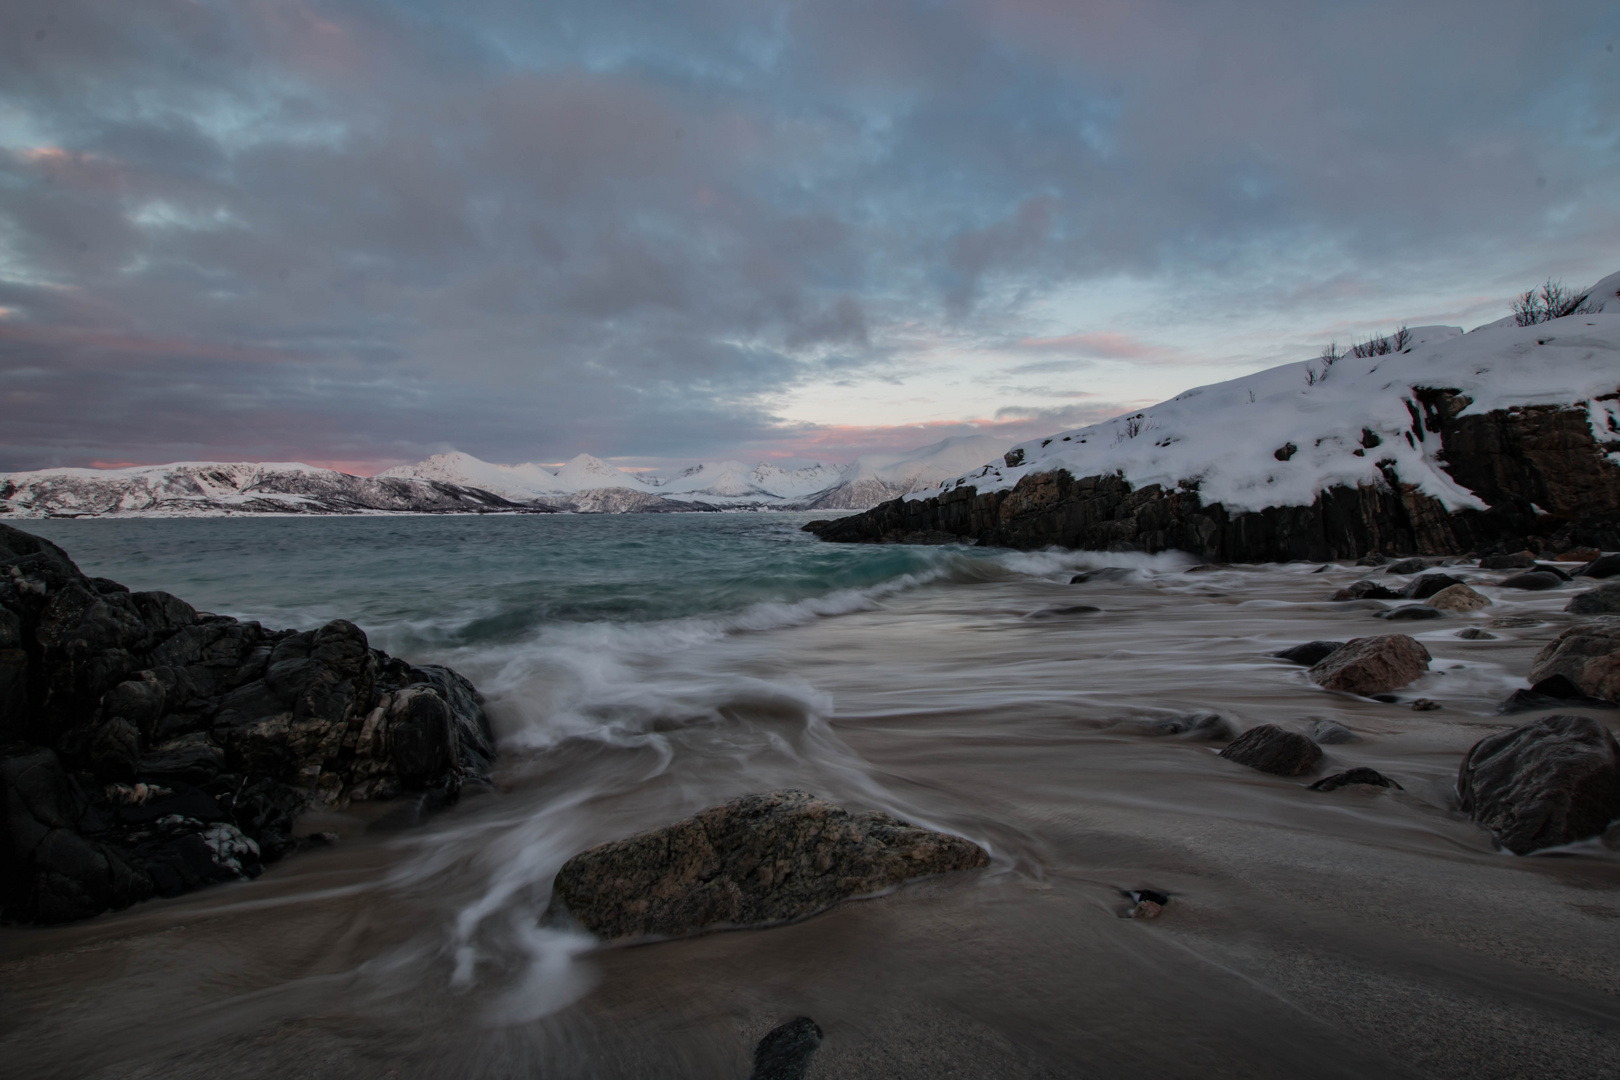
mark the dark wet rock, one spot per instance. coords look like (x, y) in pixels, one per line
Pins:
(1285, 451)
(1424, 704)
(1309, 653)
(1408, 566)
(1332, 733)
(1534, 581)
(785, 1052)
(1365, 590)
(1410, 613)
(175, 749)
(1059, 612)
(1373, 559)
(1148, 896)
(1553, 781)
(1556, 571)
(1604, 566)
(1212, 727)
(1370, 777)
(1530, 700)
(1514, 622)
(1474, 633)
(1588, 657)
(1421, 588)
(1372, 665)
(1102, 574)
(756, 860)
(1603, 600)
(1271, 749)
(1457, 598)
(1520, 561)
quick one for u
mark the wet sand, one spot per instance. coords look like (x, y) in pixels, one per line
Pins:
(1355, 933)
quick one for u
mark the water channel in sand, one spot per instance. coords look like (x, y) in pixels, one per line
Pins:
(1356, 933)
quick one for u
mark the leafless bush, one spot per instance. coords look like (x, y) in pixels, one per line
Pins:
(1551, 301)
(1401, 339)
(1133, 426)
(1330, 356)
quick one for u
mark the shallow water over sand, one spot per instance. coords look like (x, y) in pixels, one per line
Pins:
(1354, 933)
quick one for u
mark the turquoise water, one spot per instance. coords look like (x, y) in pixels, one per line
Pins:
(439, 585)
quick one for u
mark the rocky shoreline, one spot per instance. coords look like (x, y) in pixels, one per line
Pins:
(1547, 480)
(147, 749)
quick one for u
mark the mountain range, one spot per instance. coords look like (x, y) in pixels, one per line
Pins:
(460, 483)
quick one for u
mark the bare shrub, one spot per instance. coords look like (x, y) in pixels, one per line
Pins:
(1552, 301)
(1401, 340)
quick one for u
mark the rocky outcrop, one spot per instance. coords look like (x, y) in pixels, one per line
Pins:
(1272, 750)
(1546, 783)
(1586, 658)
(756, 860)
(1546, 479)
(148, 749)
(1372, 665)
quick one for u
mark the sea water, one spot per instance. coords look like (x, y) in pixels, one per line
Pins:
(640, 668)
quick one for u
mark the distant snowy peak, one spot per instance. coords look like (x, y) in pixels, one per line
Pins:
(586, 473)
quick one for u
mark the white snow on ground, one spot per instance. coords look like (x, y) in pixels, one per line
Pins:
(1224, 436)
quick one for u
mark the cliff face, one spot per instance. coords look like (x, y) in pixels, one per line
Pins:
(1540, 469)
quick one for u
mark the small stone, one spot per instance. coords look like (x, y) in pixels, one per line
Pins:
(1535, 581)
(1408, 566)
(1354, 776)
(1365, 590)
(1146, 909)
(1411, 613)
(1285, 451)
(1424, 704)
(1474, 633)
(1332, 733)
(1270, 749)
(1457, 597)
(1311, 652)
(1211, 727)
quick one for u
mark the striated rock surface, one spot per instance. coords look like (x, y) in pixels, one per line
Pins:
(1586, 657)
(1372, 665)
(1271, 749)
(756, 860)
(148, 749)
(1542, 784)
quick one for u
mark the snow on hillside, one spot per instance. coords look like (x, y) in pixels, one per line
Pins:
(1341, 421)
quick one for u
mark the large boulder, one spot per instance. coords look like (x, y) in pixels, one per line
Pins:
(166, 749)
(1603, 600)
(1458, 597)
(756, 860)
(1271, 749)
(1550, 782)
(1586, 656)
(1372, 665)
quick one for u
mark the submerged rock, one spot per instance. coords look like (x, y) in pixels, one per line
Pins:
(1367, 776)
(1550, 782)
(1604, 566)
(1272, 750)
(1365, 590)
(1408, 566)
(1410, 613)
(1604, 600)
(756, 860)
(1372, 665)
(1521, 561)
(1534, 581)
(1428, 585)
(785, 1052)
(1474, 633)
(1211, 727)
(1309, 653)
(1332, 733)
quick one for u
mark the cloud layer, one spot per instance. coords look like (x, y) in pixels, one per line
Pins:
(362, 232)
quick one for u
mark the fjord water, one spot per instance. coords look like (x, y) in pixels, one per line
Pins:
(639, 668)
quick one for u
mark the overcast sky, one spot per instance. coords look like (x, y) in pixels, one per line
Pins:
(359, 233)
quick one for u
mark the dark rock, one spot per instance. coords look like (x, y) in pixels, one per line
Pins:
(1603, 600)
(1105, 573)
(1372, 665)
(785, 1052)
(1072, 609)
(1408, 566)
(1553, 781)
(1474, 633)
(1014, 457)
(1152, 896)
(1535, 581)
(421, 732)
(1212, 727)
(1604, 566)
(115, 751)
(190, 759)
(1426, 586)
(1520, 561)
(1375, 558)
(1332, 733)
(1525, 700)
(1410, 613)
(1271, 749)
(1309, 653)
(1354, 776)
(1555, 571)
(1285, 451)
(756, 860)
(1424, 704)
(1587, 656)
(1365, 590)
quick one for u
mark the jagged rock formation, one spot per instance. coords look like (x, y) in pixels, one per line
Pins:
(149, 749)
(1545, 477)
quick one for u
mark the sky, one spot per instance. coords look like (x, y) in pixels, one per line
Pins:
(359, 233)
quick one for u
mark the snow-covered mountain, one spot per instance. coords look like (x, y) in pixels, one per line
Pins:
(1282, 436)
(461, 483)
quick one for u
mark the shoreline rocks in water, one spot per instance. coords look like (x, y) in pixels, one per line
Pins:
(147, 749)
(1271, 749)
(1542, 784)
(754, 861)
(1372, 665)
